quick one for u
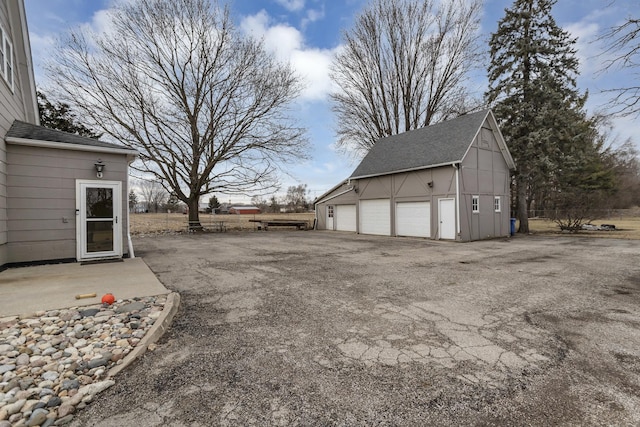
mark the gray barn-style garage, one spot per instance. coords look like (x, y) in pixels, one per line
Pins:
(448, 181)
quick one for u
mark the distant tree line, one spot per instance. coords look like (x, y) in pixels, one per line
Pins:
(295, 200)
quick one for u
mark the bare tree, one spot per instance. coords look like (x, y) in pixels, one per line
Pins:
(206, 109)
(296, 198)
(153, 193)
(404, 66)
(623, 43)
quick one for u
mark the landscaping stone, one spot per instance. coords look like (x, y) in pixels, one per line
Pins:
(53, 363)
(37, 417)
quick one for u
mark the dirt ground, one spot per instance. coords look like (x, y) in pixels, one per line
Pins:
(311, 328)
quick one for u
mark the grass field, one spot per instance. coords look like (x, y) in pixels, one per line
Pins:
(627, 227)
(149, 223)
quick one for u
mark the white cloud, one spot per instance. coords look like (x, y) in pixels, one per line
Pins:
(41, 46)
(291, 5)
(313, 15)
(587, 47)
(313, 65)
(287, 43)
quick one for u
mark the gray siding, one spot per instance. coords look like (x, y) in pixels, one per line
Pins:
(14, 105)
(42, 199)
(402, 187)
(484, 173)
(349, 198)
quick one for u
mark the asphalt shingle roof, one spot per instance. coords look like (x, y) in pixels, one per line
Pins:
(40, 133)
(442, 143)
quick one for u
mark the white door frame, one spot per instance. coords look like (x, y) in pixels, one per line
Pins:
(330, 217)
(82, 252)
(449, 219)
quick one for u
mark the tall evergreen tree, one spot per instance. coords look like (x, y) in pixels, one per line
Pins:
(532, 86)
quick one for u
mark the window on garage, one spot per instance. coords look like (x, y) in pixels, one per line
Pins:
(330, 211)
(496, 204)
(475, 204)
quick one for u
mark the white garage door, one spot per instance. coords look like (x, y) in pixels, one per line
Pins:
(375, 217)
(413, 219)
(346, 218)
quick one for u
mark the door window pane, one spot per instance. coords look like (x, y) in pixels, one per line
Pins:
(99, 203)
(99, 236)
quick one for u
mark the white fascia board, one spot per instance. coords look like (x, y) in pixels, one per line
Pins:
(29, 59)
(326, 199)
(69, 146)
(407, 170)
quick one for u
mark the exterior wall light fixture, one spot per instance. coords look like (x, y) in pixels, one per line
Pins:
(99, 168)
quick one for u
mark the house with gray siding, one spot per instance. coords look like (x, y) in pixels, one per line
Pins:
(62, 196)
(447, 181)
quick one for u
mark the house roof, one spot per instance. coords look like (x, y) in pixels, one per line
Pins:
(22, 132)
(440, 144)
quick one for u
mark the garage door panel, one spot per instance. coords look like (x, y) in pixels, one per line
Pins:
(346, 218)
(413, 219)
(375, 217)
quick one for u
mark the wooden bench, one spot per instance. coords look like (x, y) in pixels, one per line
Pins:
(266, 223)
(208, 226)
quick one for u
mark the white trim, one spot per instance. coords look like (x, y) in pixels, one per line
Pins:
(335, 195)
(8, 75)
(68, 146)
(27, 51)
(440, 217)
(407, 170)
(476, 199)
(81, 249)
(502, 144)
(457, 201)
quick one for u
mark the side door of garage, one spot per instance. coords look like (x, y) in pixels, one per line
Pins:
(345, 218)
(413, 219)
(375, 217)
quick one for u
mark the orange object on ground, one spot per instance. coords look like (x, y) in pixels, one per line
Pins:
(108, 298)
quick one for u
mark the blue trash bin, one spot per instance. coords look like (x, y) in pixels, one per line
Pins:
(513, 226)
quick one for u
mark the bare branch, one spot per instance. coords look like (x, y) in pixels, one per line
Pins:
(404, 66)
(623, 47)
(206, 109)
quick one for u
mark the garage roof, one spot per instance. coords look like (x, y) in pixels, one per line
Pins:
(440, 144)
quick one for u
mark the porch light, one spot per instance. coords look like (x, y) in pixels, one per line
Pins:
(99, 168)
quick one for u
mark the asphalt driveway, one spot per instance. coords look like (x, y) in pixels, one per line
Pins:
(319, 328)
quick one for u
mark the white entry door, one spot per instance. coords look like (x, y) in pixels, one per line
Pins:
(99, 226)
(447, 218)
(330, 215)
(413, 219)
(375, 217)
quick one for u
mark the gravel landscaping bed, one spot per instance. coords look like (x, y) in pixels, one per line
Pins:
(54, 362)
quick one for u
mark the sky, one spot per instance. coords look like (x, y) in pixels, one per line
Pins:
(309, 32)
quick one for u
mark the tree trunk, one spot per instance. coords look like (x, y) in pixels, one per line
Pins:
(523, 216)
(194, 215)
